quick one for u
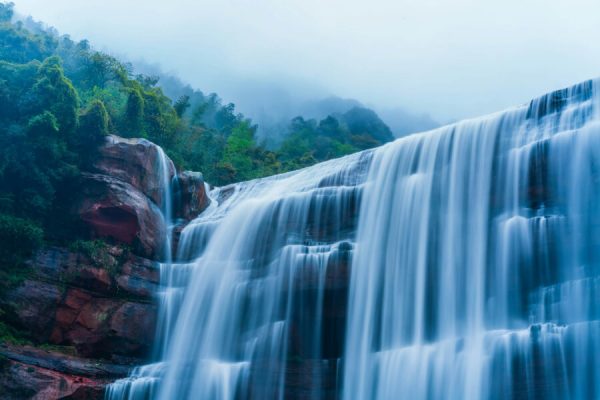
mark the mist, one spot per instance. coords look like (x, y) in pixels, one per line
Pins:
(447, 60)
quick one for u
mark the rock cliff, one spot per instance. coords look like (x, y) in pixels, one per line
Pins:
(87, 311)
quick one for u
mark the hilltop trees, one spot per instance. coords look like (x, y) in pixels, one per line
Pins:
(310, 141)
(60, 98)
(93, 129)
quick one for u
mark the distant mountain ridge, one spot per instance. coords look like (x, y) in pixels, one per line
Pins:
(272, 108)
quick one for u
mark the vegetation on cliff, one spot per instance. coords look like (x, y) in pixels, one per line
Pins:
(60, 98)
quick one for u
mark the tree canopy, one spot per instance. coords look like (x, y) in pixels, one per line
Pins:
(60, 98)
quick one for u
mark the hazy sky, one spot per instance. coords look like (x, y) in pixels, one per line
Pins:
(450, 58)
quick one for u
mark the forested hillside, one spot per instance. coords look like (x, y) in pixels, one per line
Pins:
(59, 98)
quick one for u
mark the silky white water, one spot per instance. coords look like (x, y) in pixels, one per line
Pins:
(143, 380)
(461, 263)
(477, 255)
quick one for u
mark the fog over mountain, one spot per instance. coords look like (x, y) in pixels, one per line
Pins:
(271, 105)
(449, 60)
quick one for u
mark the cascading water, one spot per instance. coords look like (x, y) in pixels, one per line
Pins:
(461, 263)
(167, 182)
(169, 297)
(244, 299)
(476, 269)
(143, 379)
(257, 287)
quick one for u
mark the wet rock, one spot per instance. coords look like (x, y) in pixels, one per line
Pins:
(103, 311)
(134, 161)
(192, 195)
(30, 373)
(98, 327)
(117, 273)
(110, 208)
(64, 363)
(138, 277)
(303, 378)
(102, 327)
(20, 381)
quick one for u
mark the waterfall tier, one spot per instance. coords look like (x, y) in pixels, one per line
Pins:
(461, 263)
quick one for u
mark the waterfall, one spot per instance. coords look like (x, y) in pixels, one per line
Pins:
(165, 165)
(461, 263)
(258, 284)
(168, 297)
(476, 269)
(142, 382)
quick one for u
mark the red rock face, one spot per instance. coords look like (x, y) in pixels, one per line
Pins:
(119, 223)
(25, 381)
(120, 202)
(110, 208)
(102, 310)
(134, 161)
(69, 300)
(103, 327)
(30, 373)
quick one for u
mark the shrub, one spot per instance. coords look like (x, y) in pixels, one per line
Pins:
(98, 252)
(93, 249)
(19, 238)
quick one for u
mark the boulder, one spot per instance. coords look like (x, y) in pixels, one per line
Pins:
(111, 208)
(135, 161)
(191, 193)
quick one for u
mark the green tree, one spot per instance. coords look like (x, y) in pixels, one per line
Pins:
(55, 93)
(299, 145)
(20, 45)
(93, 128)
(16, 81)
(367, 127)
(181, 105)
(134, 112)
(60, 98)
(238, 150)
(19, 238)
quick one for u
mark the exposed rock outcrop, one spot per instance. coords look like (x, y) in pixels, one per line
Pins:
(96, 303)
(103, 327)
(103, 311)
(134, 161)
(101, 308)
(30, 373)
(19, 381)
(111, 208)
(192, 195)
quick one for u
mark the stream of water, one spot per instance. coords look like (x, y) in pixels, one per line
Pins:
(461, 263)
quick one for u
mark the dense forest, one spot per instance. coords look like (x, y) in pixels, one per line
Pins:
(60, 98)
